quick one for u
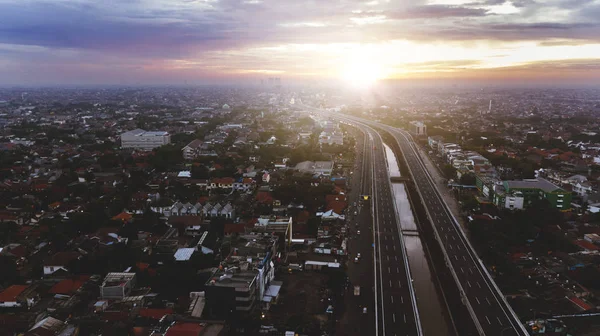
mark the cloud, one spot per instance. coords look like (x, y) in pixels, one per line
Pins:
(438, 11)
(151, 38)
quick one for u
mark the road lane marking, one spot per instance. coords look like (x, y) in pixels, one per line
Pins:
(497, 318)
(389, 269)
(391, 297)
(388, 257)
(390, 283)
(404, 318)
(488, 320)
(394, 317)
(477, 300)
(469, 283)
(478, 285)
(488, 301)
(402, 299)
(397, 270)
(399, 284)
(462, 270)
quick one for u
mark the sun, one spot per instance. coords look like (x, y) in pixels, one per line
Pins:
(361, 73)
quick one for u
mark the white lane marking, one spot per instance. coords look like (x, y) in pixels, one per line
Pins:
(488, 301)
(391, 297)
(404, 318)
(394, 247)
(386, 247)
(397, 270)
(390, 283)
(462, 270)
(455, 257)
(396, 257)
(471, 270)
(469, 283)
(478, 285)
(388, 258)
(402, 299)
(465, 259)
(399, 284)
(488, 320)
(394, 317)
(389, 269)
(497, 318)
(476, 298)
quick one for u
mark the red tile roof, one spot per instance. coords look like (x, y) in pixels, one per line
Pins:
(580, 303)
(185, 329)
(124, 216)
(68, 286)
(233, 228)
(11, 293)
(586, 245)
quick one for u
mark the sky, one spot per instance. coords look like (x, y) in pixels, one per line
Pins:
(62, 42)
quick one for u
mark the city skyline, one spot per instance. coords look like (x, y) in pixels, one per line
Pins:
(358, 42)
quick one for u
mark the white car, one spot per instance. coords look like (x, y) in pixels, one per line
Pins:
(358, 255)
(364, 310)
(358, 232)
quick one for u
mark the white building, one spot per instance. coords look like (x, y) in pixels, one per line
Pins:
(418, 128)
(144, 140)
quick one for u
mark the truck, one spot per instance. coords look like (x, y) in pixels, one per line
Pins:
(356, 290)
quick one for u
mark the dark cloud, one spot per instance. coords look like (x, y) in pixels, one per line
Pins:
(498, 32)
(437, 11)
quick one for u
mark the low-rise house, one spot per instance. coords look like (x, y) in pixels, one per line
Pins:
(117, 285)
(59, 263)
(18, 296)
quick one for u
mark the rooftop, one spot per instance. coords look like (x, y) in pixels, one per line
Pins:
(538, 183)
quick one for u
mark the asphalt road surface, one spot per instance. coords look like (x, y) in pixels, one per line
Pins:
(389, 298)
(488, 307)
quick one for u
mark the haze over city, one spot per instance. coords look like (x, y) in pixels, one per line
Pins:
(144, 42)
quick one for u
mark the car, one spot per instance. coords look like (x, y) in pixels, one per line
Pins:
(364, 310)
(356, 259)
(358, 255)
(358, 232)
(355, 213)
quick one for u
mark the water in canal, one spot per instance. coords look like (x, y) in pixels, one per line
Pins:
(391, 162)
(431, 306)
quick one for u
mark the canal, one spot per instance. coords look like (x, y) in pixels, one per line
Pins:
(432, 310)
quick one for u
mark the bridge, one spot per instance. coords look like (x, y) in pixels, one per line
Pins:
(399, 179)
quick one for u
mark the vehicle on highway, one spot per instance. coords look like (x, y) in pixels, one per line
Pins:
(358, 232)
(356, 290)
(364, 310)
(356, 260)
(358, 255)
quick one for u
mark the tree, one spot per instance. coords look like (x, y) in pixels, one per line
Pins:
(468, 179)
(449, 172)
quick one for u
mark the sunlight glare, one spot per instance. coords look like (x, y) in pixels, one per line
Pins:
(361, 73)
